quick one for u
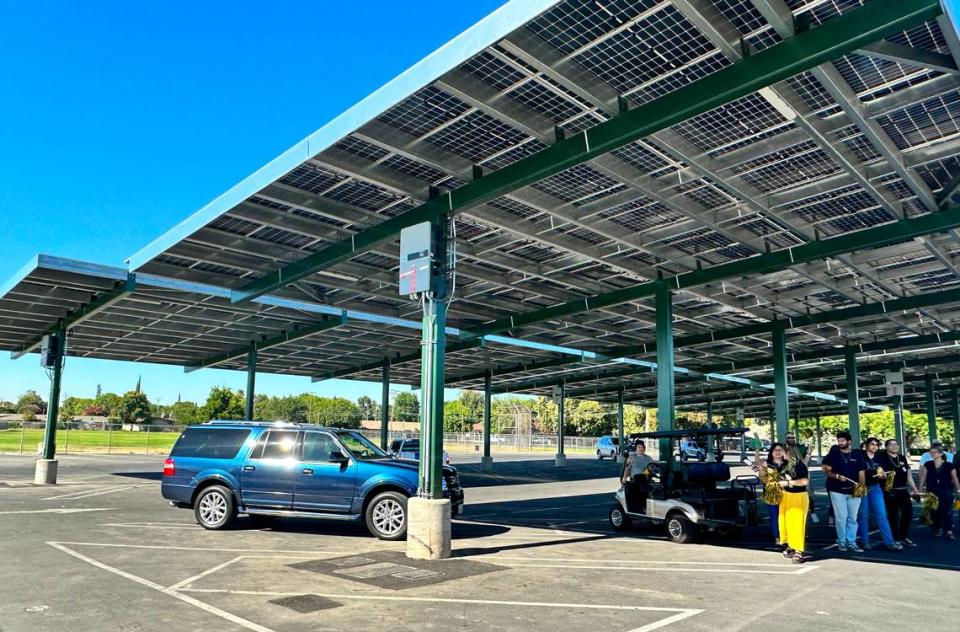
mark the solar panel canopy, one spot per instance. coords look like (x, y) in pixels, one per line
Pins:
(862, 141)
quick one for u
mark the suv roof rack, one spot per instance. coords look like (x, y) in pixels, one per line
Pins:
(229, 422)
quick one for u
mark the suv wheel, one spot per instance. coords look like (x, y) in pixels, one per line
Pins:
(215, 508)
(386, 516)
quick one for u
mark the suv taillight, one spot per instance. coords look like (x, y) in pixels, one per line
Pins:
(169, 469)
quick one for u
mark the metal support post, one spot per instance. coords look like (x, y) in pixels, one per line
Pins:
(621, 455)
(712, 440)
(898, 430)
(955, 412)
(251, 381)
(561, 458)
(486, 462)
(385, 404)
(819, 441)
(931, 409)
(853, 393)
(780, 397)
(796, 423)
(665, 385)
(46, 468)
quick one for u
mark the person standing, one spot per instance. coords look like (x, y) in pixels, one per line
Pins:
(926, 456)
(803, 455)
(897, 491)
(939, 477)
(636, 478)
(792, 478)
(844, 468)
(872, 503)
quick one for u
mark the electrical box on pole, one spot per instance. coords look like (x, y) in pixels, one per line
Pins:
(49, 351)
(416, 257)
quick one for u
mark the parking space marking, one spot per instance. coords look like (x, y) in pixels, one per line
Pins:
(311, 552)
(679, 613)
(891, 560)
(97, 492)
(607, 568)
(61, 510)
(677, 562)
(223, 614)
(209, 571)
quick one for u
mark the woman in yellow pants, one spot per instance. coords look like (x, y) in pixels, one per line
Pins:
(792, 478)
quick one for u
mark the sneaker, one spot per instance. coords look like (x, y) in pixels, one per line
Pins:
(798, 557)
(788, 552)
(855, 548)
(866, 546)
(896, 546)
(842, 548)
(908, 542)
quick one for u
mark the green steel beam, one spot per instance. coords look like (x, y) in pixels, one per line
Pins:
(931, 408)
(487, 407)
(829, 41)
(384, 402)
(251, 382)
(898, 428)
(665, 369)
(298, 332)
(619, 420)
(82, 313)
(433, 345)
(781, 400)
(561, 418)
(955, 410)
(853, 396)
(901, 230)
(53, 403)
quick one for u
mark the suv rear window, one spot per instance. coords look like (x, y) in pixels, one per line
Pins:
(210, 443)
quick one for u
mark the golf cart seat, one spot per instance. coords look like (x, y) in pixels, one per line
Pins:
(706, 474)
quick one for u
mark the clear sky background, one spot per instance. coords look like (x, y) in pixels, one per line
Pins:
(119, 119)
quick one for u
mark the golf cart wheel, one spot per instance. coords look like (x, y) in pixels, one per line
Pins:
(215, 508)
(680, 529)
(618, 519)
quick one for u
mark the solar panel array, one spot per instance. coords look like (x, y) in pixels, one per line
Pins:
(853, 144)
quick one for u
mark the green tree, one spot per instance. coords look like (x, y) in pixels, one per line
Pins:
(369, 409)
(406, 407)
(73, 407)
(109, 403)
(587, 418)
(332, 411)
(288, 408)
(457, 417)
(185, 413)
(134, 407)
(544, 413)
(30, 404)
(223, 403)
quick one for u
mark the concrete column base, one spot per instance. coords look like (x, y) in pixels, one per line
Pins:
(46, 472)
(621, 458)
(486, 464)
(560, 460)
(428, 528)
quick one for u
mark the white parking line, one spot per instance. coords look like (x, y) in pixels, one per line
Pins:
(162, 547)
(607, 568)
(209, 571)
(679, 563)
(97, 492)
(62, 510)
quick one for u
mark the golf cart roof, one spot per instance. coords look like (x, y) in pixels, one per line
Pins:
(690, 432)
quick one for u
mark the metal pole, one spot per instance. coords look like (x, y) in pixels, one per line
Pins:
(53, 405)
(796, 423)
(898, 429)
(819, 441)
(780, 397)
(431, 370)
(251, 381)
(710, 441)
(385, 404)
(109, 436)
(955, 409)
(487, 385)
(620, 453)
(23, 427)
(931, 409)
(853, 393)
(665, 385)
(561, 421)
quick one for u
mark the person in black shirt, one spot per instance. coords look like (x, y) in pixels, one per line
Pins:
(844, 468)
(939, 477)
(897, 490)
(873, 503)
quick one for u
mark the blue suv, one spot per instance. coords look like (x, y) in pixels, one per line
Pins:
(269, 470)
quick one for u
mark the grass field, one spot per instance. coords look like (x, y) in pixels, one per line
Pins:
(102, 441)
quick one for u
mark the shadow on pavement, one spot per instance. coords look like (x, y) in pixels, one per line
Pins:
(537, 471)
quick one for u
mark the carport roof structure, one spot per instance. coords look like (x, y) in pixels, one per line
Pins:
(778, 165)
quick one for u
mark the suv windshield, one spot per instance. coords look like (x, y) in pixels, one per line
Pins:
(361, 447)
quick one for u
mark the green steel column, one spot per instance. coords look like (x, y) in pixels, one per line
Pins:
(853, 393)
(781, 400)
(819, 441)
(431, 369)
(53, 404)
(665, 367)
(251, 382)
(955, 411)
(773, 426)
(710, 441)
(931, 409)
(561, 418)
(619, 419)
(487, 385)
(385, 404)
(796, 424)
(898, 431)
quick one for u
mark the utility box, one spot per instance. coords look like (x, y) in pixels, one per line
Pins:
(48, 351)
(416, 257)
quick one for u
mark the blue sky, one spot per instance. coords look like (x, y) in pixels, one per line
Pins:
(120, 119)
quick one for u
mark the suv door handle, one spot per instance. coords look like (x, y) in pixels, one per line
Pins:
(307, 471)
(249, 468)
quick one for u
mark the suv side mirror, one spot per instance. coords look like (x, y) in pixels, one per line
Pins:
(338, 457)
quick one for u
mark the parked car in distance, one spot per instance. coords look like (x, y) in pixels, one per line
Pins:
(271, 470)
(607, 448)
(690, 449)
(410, 449)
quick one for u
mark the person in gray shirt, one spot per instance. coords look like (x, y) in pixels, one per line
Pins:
(636, 478)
